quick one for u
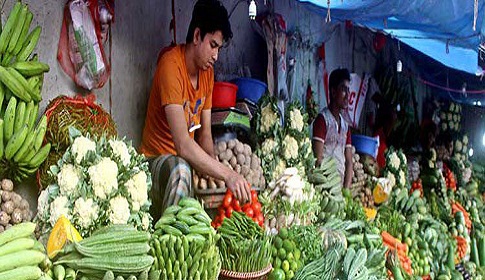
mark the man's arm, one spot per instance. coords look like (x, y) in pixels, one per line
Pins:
(189, 150)
(349, 171)
(317, 147)
(204, 134)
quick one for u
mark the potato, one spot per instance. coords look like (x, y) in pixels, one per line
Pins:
(229, 154)
(231, 144)
(233, 162)
(245, 170)
(4, 218)
(238, 169)
(247, 150)
(254, 162)
(241, 159)
(24, 204)
(239, 148)
(221, 147)
(203, 184)
(195, 179)
(212, 184)
(262, 182)
(220, 184)
(8, 207)
(248, 160)
(16, 216)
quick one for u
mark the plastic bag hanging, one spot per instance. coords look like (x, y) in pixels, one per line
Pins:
(80, 49)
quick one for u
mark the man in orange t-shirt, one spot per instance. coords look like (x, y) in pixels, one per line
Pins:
(177, 133)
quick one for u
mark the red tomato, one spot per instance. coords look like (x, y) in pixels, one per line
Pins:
(246, 207)
(256, 207)
(260, 218)
(254, 196)
(227, 200)
(236, 205)
(249, 211)
(229, 211)
(221, 211)
(261, 224)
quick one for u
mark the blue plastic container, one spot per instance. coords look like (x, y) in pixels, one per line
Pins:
(248, 88)
(365, 144)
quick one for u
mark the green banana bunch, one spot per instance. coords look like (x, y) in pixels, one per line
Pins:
(22, 150)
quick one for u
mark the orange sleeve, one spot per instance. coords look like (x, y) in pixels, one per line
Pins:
(170, 82)
(210, 86)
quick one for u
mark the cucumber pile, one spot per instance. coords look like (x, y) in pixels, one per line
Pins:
(116, 250)
(21, 256)
(184, 244)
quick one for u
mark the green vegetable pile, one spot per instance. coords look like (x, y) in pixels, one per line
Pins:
(286, 255)
(184, 243)
(243, 244)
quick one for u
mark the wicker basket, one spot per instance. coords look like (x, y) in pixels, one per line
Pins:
(257, 275)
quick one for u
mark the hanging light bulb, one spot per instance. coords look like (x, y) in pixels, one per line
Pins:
(463, 88)
(253, 10)
(470, 152)
(399, 66)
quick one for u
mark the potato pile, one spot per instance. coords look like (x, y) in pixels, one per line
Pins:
(238, 157)
(366, 197)
(13, 208)
(359, 173)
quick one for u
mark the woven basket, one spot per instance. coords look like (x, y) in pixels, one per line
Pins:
(257, 275)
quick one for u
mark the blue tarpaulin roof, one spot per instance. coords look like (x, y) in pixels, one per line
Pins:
(430, 26)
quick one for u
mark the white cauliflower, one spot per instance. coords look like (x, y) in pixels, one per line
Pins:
(120, 150)
(268, 147)
(402, 178)
(450, 116)
(58, 208)
(67, 179)
(268, 118)
(444, 126)
(452, 107)
(81, 146)
(280, 168)
(103, 177)
(138, 190)
(43, 203)
(296, 120)
(392, 179)
(458, 146)
(465, 140)
(394, 161)
(86, 210)
(119, 210)
(145, 221)
(290, 147)
(452, 126)
(443, 116)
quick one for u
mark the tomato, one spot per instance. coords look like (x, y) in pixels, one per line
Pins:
(236, 205)
(259, 218)
(246, 207)
(221, 211)
(254, 196)
(227, 200)
(229, 211)
(249, 211)
(256, 207)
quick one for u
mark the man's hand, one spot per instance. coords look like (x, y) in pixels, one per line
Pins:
(239, 187)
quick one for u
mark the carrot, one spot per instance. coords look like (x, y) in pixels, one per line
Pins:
(392, 242)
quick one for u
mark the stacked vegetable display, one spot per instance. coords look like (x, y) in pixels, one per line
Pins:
(13, 208)
(184, 243)
(238, 157)
(243, 245)
(21, 76)
(21, 256)
(451, 118)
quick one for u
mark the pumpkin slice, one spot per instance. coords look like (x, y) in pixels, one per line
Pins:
(62, 232)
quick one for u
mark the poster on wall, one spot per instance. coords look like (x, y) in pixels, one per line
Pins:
(357, 97)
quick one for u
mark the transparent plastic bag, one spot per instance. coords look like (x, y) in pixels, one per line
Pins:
(80, 49)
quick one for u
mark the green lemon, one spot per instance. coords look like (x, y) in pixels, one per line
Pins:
(282, 253)
(285, 266)
(277, 263)
(274, 252)
(290, 274)
(283, 233)
(290, 256)
(297, 254)
(277, 274)
(287, 245)
(294, 266)
(278, 242)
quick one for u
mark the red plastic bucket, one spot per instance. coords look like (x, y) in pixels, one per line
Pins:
(224, 95)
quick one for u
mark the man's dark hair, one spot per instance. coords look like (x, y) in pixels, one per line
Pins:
(209, 16)
(337, 76)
